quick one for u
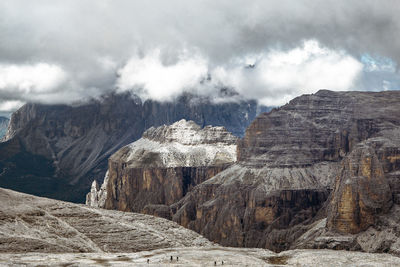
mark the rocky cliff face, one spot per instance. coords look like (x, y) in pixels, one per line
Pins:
(162, 166)
(361, 192)
(251, 207)
(363, 209)
(287, 164)
(3, 126)
(58, 150)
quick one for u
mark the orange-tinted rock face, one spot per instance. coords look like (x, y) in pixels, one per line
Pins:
(389, 157)
(361, 193)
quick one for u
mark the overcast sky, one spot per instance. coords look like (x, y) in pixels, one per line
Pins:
(65, 51)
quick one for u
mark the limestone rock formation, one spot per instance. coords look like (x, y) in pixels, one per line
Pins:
(162, 166)
(97, 196)
(35, 224)
(57, 150)
(361, 192)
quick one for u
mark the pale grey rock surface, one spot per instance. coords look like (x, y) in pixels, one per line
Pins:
(34, 224)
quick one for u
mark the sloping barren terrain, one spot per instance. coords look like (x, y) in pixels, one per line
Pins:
(29, 223)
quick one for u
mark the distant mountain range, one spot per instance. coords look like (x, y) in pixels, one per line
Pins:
(57, 150)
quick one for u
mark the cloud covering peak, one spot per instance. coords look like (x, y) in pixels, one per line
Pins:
(63, 51)
(151, 78)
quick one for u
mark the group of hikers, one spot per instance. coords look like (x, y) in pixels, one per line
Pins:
(177, 259)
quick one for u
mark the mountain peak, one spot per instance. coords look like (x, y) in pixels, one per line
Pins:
(189, 133)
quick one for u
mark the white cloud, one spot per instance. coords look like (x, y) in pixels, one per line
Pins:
(149, 77)
(107, 63)
(90, 40)
(273, 77)
(281, 75)
(7, 106)
(31, 79)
